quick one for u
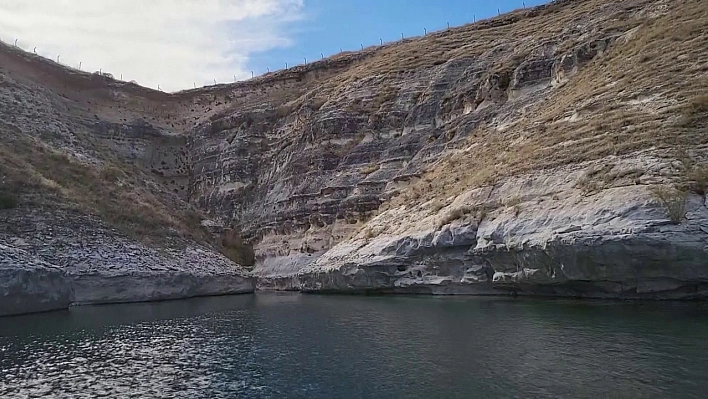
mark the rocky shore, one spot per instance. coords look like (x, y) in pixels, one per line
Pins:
(532, 235)
(53, 260)
(557, 150)
(29, 285)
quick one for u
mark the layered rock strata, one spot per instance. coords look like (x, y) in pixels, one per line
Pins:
(519, 154)
(532, 235)
(80, 262)
(28, 284)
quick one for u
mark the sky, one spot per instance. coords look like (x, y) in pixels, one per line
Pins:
(179, 44)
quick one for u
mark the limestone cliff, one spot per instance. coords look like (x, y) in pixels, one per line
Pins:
(540, 152)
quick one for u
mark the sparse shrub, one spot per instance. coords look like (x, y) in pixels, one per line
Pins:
(517, 210)
(685, 158)
(368, 233)
(699, 176)
(436, 205)
(458, 213)
(284, 111)
(110, 173)
(369, 169)
(383, 96)
(318, 102)
(512, 202)
(672, 200)
(695, 111)
(587, 185)
(8, 201)
(696, 175)
(233, 246)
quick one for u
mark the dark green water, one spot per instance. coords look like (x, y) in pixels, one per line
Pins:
(295, 346)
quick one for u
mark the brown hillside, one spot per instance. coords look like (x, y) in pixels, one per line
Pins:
(298, 159)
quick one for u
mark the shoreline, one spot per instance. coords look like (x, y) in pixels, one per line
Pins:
(377, 293)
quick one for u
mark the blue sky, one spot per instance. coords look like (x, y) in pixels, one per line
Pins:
(178, 45)
(328, 25)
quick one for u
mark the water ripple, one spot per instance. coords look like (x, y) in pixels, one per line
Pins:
(307, 346)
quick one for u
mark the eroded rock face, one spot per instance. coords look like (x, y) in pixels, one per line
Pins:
(299, 184)
(284, 175)
(29, 285)
(291, 167)
(100, 265)
(554, 240)
(60, 253)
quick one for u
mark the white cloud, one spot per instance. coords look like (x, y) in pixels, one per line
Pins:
(173, 43)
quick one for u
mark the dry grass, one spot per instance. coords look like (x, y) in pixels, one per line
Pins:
(515, 204)
(460, 213)
(601, 94)
(513, 201)
(698, 176)
(436, 205)
(588, 186)
(123, 197)
(386, 94)
(672, 200)
(695, 111)
(695, 176)
(665, 58)
(369, 169)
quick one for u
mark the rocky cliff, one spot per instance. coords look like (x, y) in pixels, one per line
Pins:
(559, 150)
(93, 196)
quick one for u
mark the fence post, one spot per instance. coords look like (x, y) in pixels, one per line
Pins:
(322, 54)
(305, 60)
(381, 40)
(425, 31)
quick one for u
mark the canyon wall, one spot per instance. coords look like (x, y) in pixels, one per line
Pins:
(539, 152)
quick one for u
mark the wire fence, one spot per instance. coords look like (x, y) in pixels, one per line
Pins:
(16, 43)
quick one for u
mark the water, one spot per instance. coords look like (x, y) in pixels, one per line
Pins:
(298, 346)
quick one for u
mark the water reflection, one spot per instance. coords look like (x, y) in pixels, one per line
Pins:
(289, 345)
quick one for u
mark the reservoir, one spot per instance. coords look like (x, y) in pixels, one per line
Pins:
(271, 345)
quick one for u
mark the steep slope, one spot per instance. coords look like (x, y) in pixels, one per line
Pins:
(77, 195)
(577, 88)
(590, 183)
(527, 153)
